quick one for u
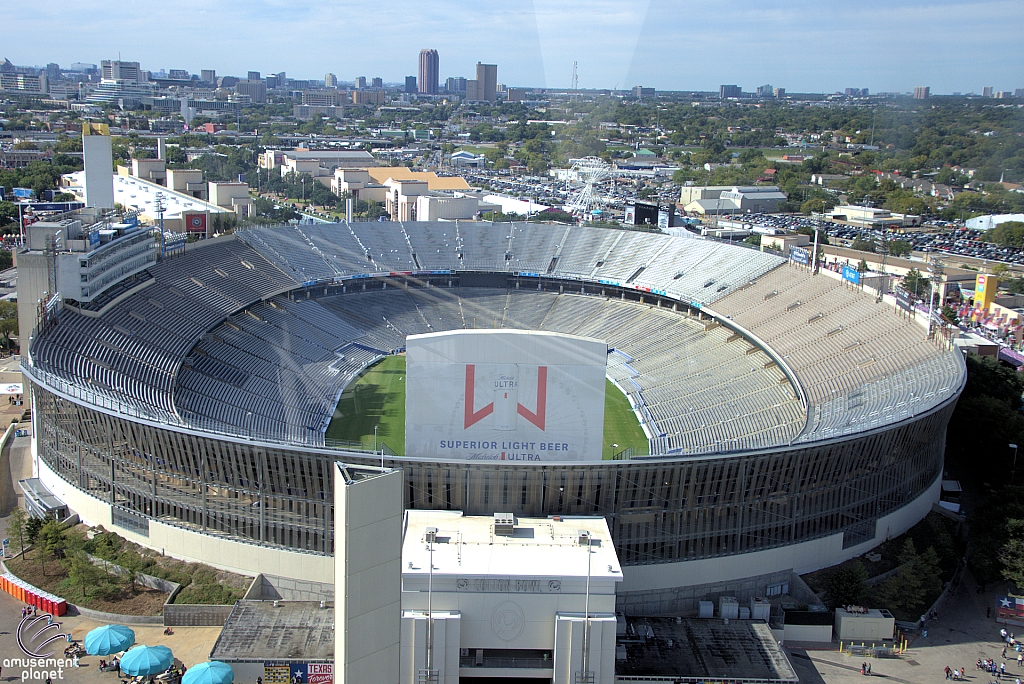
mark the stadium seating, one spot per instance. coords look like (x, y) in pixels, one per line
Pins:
(215, 339)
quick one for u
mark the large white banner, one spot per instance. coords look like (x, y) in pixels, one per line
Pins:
(504, 395)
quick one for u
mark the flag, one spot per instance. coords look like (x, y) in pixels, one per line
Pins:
(1009, 607)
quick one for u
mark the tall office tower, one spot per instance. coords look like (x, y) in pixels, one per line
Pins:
(486, 82)
(1018, 92)
(330, 81)
(765, 91)
(455, 84)
(255, 89)
(360, 82)
(986, 91)
(726, 91)
(922, 92)
(53, 72)
(780, 93)
(271, 81)
(253, 76)
(116, 70)
(99, 165)
(208, 76)
(410, 84)
(472, 90)
(377, 82)
(428, 80)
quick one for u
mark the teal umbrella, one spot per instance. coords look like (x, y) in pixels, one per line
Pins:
(109, 639)
(213, 672)
(146, 660)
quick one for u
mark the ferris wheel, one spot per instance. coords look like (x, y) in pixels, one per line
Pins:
(588, 173)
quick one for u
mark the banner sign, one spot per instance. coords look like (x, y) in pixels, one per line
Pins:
(903, 300)
(800, 255)
(505, 395)
(851, 274)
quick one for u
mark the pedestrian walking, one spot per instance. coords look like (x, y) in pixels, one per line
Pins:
(948, 672)
(1004, 652)
(869, 669)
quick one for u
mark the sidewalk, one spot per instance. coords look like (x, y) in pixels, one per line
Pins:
(957, 638)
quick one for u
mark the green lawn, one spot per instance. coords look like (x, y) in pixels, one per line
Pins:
(377, 398)
(620, 425)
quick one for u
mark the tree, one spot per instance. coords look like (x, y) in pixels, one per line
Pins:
(683, 175)
(753, 239)
(809, 231)
(899, 248)
(905, 592)
(52, 538)
(809, 206)
(1000, 269)
(8, 321)
(82, 571)
(845, 586)
(862, 245)
(862, 267)
(16, 527)
(132, 562)
(1012, 554)
(949, 314)
(916, 284)
(1007, 234)
(32, 528)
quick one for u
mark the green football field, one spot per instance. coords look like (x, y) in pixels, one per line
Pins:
(377, 398)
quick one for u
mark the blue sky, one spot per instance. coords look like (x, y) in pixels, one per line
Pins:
(801, 45)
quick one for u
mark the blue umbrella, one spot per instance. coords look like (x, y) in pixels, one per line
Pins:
(146, 660)
(109, 639)
(213, 672)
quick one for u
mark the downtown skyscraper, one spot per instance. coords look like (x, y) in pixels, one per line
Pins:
(427, 83)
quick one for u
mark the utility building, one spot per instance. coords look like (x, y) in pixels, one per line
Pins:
(507, 597)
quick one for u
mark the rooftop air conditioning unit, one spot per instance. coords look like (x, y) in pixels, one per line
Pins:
(504, 524)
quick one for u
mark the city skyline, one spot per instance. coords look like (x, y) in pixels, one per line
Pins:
(804, 47)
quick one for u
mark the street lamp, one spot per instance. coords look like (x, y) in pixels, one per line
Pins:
(585, 676)
(1014, 471)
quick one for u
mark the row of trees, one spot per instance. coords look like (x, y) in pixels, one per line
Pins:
(52, 541)
(917, 577)
(86, 579)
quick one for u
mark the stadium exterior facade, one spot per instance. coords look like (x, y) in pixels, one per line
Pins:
(837, 462)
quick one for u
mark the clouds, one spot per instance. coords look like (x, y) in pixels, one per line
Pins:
(802, 45)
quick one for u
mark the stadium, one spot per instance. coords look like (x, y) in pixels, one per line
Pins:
(791, 420)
